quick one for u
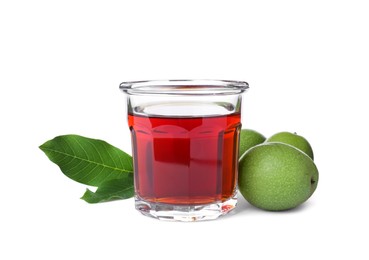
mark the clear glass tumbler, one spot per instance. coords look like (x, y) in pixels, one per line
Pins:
(185, 138)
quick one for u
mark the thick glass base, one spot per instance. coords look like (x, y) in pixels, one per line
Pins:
(185, 213)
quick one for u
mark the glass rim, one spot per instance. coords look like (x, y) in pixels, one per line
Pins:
(184, 87)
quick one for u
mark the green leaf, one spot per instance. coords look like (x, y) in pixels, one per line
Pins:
(111, 190)
(88, 161)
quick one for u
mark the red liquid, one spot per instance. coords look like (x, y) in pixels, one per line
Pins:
(185, 161)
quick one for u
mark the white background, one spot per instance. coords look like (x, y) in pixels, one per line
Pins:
(307, 63)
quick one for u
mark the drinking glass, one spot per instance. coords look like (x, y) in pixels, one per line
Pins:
(185, 138)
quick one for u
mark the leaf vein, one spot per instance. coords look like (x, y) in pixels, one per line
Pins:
(87, 160)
